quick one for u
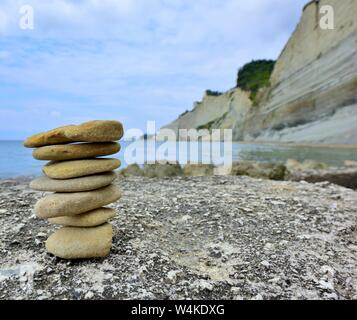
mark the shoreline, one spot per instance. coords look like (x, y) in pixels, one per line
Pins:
(287, 144)
(293, 170)
(302, 145)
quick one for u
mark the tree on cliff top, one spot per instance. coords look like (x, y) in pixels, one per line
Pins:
(255, 75)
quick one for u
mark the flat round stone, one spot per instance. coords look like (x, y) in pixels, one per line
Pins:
(88, 219)
(92, 131)
(87, 183)
(70, 204)
(76, 151)
(79, 168)
(81, 243)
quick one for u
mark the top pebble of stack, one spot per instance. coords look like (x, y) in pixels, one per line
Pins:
(93, 131)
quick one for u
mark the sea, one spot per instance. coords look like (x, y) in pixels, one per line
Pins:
(17, 161)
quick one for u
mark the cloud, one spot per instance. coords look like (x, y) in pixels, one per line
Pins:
(132, 58)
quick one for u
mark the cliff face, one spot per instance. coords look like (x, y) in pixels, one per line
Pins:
(225, 111)
(313, 92)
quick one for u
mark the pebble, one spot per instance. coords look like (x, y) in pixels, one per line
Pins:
(70, 204)
(89, 295)
(265, 263)
(81, 243)
(79, 168)
(172, 276)
(76, 151)
(81, 184)
(88, 219)
(92, 131)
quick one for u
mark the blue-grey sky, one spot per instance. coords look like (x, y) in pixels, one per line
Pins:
(131, 60)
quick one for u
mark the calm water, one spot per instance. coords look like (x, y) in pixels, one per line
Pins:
(15, 160)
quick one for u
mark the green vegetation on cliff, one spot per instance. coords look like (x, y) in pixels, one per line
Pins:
(207, 126)
(213, 93)
(255, 75)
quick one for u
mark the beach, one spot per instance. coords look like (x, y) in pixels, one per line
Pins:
(214, 237)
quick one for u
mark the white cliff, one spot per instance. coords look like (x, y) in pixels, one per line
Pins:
(313, 92)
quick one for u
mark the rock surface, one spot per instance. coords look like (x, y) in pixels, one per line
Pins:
(88, 219)
(198, 170)
(132, 170)
(81, 243)
(80, 184)
(346, 177)
(308, 170)
(76, 151)
(93, 131)
(294, 165)
(256, 169)
(350, 163)
(161, 170)
(70, 204)
(248, 239)
(79, 168)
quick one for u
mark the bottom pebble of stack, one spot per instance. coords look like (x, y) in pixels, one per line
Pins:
(81, 243)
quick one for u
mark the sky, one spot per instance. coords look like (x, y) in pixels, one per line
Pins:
(129, 60)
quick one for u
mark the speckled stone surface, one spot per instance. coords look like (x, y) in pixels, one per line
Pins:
(198, 238)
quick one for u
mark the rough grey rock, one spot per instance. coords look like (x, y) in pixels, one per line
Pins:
(80, 184)
(248, 239)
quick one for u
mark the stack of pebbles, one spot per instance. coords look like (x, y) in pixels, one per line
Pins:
(82, 185)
